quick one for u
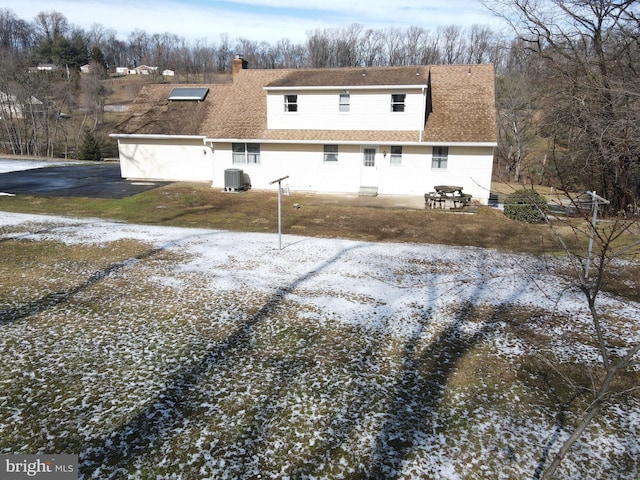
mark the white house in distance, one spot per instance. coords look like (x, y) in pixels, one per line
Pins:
(12, 107)
(143, 70)
(373, 130)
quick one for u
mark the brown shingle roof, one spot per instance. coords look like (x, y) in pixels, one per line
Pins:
(353, 77)
(243, 113)
(153, 113)
(463, 106)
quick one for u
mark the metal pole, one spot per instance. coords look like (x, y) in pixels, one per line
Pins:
(279, 216)
(279, 181)
(593, 231)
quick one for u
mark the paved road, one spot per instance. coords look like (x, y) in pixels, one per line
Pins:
(92, 181)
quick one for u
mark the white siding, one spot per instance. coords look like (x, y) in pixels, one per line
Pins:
(469, 167)
(182, 159)
(304, 164)
(171, 159)
(369, 110)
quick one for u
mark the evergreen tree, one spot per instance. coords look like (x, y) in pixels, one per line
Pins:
(89, 147)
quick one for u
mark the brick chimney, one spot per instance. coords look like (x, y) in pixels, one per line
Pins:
(238, 64)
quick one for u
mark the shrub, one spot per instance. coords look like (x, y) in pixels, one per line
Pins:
(89, 147)
(526, 206)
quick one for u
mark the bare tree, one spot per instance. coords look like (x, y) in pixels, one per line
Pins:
(590, 267)
(415, 40)
(289, 55)
(202, 58)
(346, 48)
(453, 44)
(395, 49)
(517, 126)
(590, 111)
(15, 34)
(51, 25)
(224, 54)
(372, 48)
(115, 50)
(481, 39)
(319, 46)
(592, 108)
(139, 45)
(95, 96)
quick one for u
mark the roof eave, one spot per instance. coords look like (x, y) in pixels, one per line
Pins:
(352, 142)
(153, 136)
(345, 87)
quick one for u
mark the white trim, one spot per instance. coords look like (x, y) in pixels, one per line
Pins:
(294, 88)
(304, 142)
(354, 142)
(158, 137)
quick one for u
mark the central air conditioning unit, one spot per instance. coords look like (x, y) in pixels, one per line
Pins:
(233, 180)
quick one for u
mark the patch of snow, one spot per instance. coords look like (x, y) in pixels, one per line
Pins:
(201, 368)
(16, 165)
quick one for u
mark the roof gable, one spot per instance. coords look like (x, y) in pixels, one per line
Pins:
(463, 104)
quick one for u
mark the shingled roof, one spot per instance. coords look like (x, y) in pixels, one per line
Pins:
(463, 108)
(353, 77)
(463, 105)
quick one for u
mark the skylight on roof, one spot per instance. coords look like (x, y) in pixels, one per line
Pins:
(188, 94)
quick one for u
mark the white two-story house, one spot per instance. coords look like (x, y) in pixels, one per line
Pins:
(382, 130)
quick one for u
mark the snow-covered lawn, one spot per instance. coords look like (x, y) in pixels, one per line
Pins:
(14, 165)
(212, 354)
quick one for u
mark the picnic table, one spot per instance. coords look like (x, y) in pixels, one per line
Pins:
(447, 196)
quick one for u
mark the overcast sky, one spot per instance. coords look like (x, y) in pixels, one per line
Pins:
(260, 20)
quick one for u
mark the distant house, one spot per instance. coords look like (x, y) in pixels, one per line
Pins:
(143, 70)
(49, 67)
(85, 68)
(9, 106)
(386, 130)
(168, 73)
(12, 107)
(122, 70)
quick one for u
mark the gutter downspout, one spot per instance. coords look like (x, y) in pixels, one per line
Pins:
(213, 169)
(424, 110)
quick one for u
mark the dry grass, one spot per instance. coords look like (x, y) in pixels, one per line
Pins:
(198, 205)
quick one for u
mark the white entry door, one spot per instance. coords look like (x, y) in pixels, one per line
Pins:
(369, 176)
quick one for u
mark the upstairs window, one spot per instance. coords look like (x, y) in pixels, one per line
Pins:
(439, 158)
(246, 153)
(345, 102)
(396, 155)
(397, 102)
(291, 103)
(331, 153)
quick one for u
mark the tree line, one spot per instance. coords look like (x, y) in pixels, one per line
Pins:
(50, 38)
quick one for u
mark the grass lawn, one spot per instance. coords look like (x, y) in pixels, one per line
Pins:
(198, 205)
(379, 343)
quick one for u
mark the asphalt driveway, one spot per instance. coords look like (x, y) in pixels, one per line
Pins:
(100, 180)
